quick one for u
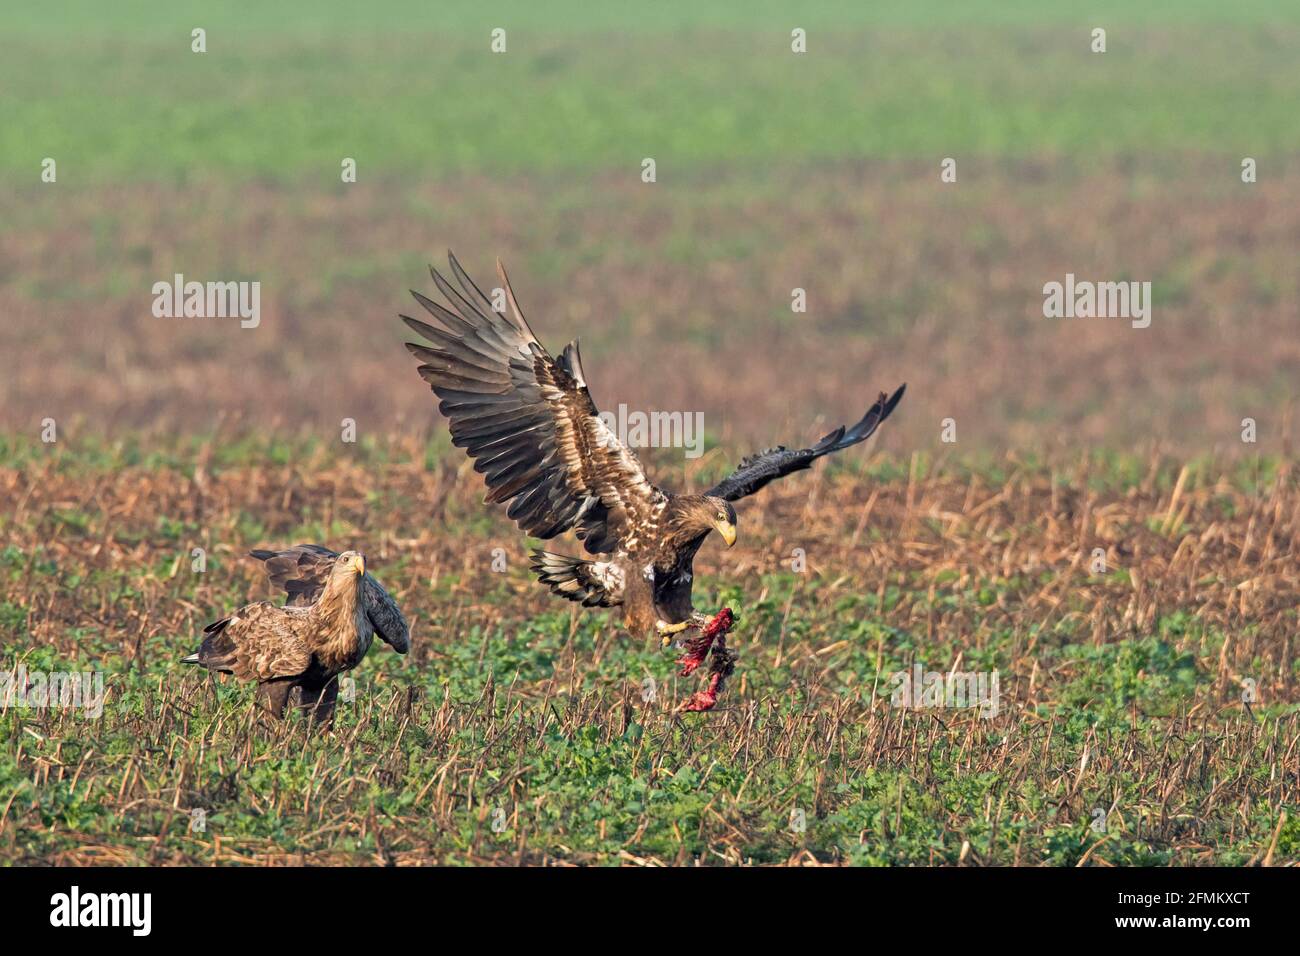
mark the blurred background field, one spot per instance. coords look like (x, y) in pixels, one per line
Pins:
(775, 171)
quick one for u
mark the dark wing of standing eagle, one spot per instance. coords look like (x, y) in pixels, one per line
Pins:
(529, 422)
(301, 572)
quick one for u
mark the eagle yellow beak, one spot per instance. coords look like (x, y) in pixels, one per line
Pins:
(361, 565)
(727, 530)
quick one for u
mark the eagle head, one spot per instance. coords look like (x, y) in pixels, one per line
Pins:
(724, 519)
(700, 514)
(350, 562)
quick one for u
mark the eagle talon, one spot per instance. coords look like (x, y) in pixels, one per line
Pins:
(666, 630)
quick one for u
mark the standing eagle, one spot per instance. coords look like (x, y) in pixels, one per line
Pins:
(296, 652)
(529, 422)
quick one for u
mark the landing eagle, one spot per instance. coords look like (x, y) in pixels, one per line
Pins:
(529, 422)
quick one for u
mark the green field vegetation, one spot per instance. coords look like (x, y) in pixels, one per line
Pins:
(1120, 691)
(116, 94)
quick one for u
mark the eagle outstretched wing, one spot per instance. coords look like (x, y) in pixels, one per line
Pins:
(301, 571)
(757, 470)
(528, 421)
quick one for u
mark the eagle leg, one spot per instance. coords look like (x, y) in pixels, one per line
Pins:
(666, 630)
(316, 699)
(272, 696)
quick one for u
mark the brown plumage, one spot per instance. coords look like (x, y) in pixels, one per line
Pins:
(529, 422)
(295, 653)
(301, 571)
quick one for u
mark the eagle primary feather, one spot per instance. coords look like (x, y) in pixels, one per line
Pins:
(528, 421)
(755, 471)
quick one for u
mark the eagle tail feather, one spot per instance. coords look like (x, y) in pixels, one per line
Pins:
(217, 652)
(576, 579)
